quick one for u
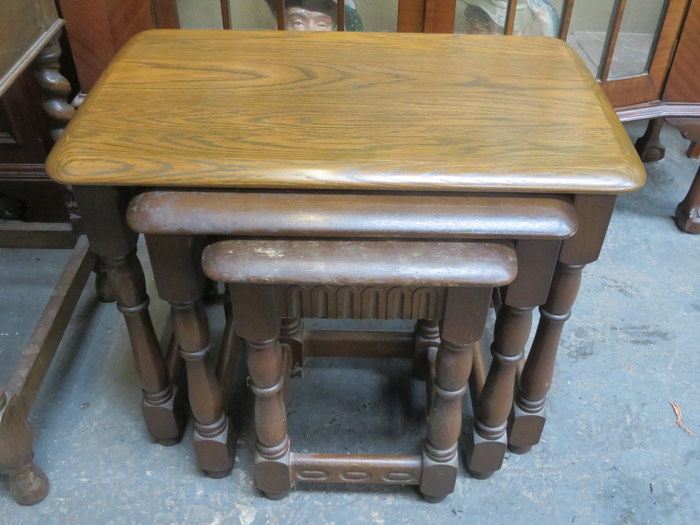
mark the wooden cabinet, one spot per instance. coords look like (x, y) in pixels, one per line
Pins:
(29, 60)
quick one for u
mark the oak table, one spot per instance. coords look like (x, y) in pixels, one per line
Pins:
(395, 115)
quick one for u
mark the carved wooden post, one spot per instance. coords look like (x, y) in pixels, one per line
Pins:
(537, 374)
(688, 211)
(28, 483)
(427, 340)
(529, 414)
(180, 281)
(466, 310)
(292, 335)
(256, 321)
(164, 407)
(536, 261)
(54, 86)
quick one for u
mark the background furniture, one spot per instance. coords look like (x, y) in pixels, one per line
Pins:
(30, 45)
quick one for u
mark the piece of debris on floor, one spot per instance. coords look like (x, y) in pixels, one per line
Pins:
(679, 422)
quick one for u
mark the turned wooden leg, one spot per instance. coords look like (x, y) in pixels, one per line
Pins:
(104, 210)
(54, 86)
(649, 145)
(536, 263)
(427, 340)
(489, 435)
(163, 410)
(28, 483)
(103, 288)
(257, 322)
(466, 310)
(180, 281)
(292, 335)
(529, 413)
(528, 416)
(688, 210)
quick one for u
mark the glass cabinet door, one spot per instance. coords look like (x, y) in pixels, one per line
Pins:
(626, 44)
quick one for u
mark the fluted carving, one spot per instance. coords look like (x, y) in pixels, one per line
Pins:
(362, 302)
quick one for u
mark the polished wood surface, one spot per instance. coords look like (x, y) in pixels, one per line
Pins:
(398, 263)
(348, 110)
(26, 27)
(344, 215)
(684, 79)
(97, 29)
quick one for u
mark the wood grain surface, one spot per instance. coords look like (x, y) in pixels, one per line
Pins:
(348, 111)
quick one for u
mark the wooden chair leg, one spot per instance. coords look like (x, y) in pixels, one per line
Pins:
(466, 310)
(649, 145)
(28, 483)
(688, 210)
(180, 282)
(256, 321)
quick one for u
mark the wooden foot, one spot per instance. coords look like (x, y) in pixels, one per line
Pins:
(649, 145)
(688, 210)
(28, 483)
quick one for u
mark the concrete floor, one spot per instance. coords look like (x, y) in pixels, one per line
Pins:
(611, 451)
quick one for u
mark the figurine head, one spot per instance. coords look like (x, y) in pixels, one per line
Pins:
(308, 15)
(479, 22)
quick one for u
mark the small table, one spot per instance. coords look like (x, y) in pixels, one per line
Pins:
(362, 113)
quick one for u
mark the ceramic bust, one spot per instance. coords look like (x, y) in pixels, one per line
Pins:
(317, 15)
(533, 17)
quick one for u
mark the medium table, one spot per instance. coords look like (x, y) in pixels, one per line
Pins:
(394, 115)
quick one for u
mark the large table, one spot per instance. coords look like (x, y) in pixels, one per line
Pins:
(385, 115)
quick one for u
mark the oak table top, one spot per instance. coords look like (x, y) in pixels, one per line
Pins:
(344, 110)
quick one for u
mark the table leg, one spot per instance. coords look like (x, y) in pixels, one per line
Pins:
(104, 210)
(649, 145)
(536, 262)
(466, 310)
(688, 211)
(180, 281)
(256, 321)
(529, 415)
(28, 483)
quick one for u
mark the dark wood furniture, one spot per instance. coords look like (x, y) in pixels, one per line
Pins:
(29, 62)
(536, 224)
(449, 282)
(245, 135)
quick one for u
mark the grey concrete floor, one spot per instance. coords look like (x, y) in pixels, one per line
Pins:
(611, 451)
